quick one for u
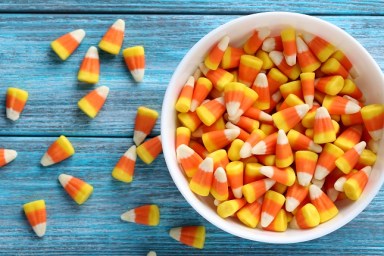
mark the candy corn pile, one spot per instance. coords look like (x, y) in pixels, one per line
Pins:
(276, 131)
(91, 104)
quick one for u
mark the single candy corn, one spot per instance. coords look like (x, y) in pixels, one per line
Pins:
(320, 47)
(246, 123)
(299, 141)
(90, 67)
(256, 40)
(275, 78)
(327, 210)
(230, 207)
(211, 111)
(65, 45)
(144, 122)
(134, 58)
(220, 158)
(183, 103)
(233, 96)
(272, 204)
(231, 57)
(252, 172)
(307, 61)
(7, 156)
(201, 181)
(257, 114)
(243, 135)
(125, 167)
(305, 166)
(264, 56)
(288, 118)
(249, 98)
(145, 215)
(76, 188)
(183, 136)
(249, 67)
(308, 87)
(218, 139)
(326, 162)
(36, 214)
(323, 129)
(337, 105)
(373, 117)
(219, 189)
(349, 159)
(291, 101)
(306, 217)
(189, 160)
(91, 103)
(254, 190)
(347, 64)
(234, 150)
(235, 173)
(349, 137)
(293, 87)
(330, 85)
(296, 194)
(255, 137)
(288, 37)
(333, 67)
(292, 72)
(351, 89)
(214, 57)
(260, 86)
(274, 43)
(266, 146)
(284, 155)
(15, 102)
(113, 38)
(284, 176)
(355, 185)
(219, 77)
(60, 150)
(149, 150)
(200, 92)
(250, 214)
(193, 236)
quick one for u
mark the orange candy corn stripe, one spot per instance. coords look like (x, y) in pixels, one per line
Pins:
(113, 38)
(307, 61)
(125, 167)
(272, 204)
(327, 210)
(134, 58)
(288, 37)
(7, 156)
(150, 149)
(326, 162)
(260, 86)
(295, 196)
(79, 190)
(305, 166)
(211, 111)
(373, 117)
(233, 96)
(201, 90)
(219, 77)
(144, 122)
(65, 45)
(256, 40)
(250, 214)
(90, 67)
(36, 214)
(308, 87)
(183, 136)
(292, 72)
(15, 102)
(323, 130)
(235, 173)
(201, 181)
(299, 141)
(214, 57)
(148, 215)
(193, 236)
(249, 67)
(219, 189)
(60, 150)
(231, 57)
(183, 103)
(218, 139)
(273, 44)
(284, 176)
(188, 159)
(266, 146)
(349, 159)
(288, 118)
(91, 103)
(284, 155)
(254, 190)
(320, 47)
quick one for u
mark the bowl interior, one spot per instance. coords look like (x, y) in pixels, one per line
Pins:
(370, 81)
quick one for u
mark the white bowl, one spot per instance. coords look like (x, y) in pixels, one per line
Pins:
(370, 81)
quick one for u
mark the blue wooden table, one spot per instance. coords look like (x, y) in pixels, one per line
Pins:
(167, 29)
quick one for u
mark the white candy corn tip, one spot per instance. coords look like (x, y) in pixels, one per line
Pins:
(367, 170)
(352, 108)
(291, 60)
(9, 155)
(339, 184)
(231, 134)
(206, 165)
(265, 117)
(131, 153)
(267, 171)
(301, 110)
(309, 100)
(40, 229)
(314, 192)
(276, 57)
(128, 216)
(151, 253)
(237, 192)
(119, 25)
(293, 224)
(194, 105)
(263, 33)
(376, 134)
(220, 175)
(332, 193)
(46, 160)
(260, 148)
(78, 35)
(266, 219)
(223, 44)
(175, 233)
(315, 147)
(138, 74)
(203, 68)
(318, 183)
(103, 91)
(269, 183)
(64, 179)
(291, 204)
(232, 108)
(216, 202)
(190, 81)
(183, 152)
(220, 100)
(246, 150)
(261, 81)
(197, 74)
(321, 172)
(138, 137)
(301, 45)
(359, 147)
(92, 53)
(282, 137)
(276, 97)
(268, 45)
(12, 114)
(304, 178)
(353, 72)
(308, 37)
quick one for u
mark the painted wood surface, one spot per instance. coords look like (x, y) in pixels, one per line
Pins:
(95, 228)
(343, 7)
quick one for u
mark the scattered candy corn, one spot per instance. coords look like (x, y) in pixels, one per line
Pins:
(113, 38)
(65, 45)
(125, 167)
(145, 215)
(90, 67)
(15, 102)
(193, 236)
(91, 103)
(60, 150)
(79, 190)
(134, 58)
(144, 122)
(36, 214)
(150, 149)
(7, 156)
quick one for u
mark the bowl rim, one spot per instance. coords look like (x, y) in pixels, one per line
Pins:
(172, 164)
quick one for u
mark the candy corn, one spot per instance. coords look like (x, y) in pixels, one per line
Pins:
(255, 137)
(220, 158)
(295, 196)
(201, 90)
(183, 136)
(349, 159)
(266, 146)
(189, 159)
(305, 166)
(355, 185)
(275, 79)
(306, 217)
(279, 223)
(327, 210)
(351, 89)
(243, 135)
(250, 96)
(284, 156)
(60, 150)
(299, 141)
(91, 103)
(90, 67)
(339, 183)
(291, 101)
(293, 87)
(373, 117)
(211, 111)
(7, 156)
(230, 207)
(233, 95)
(134, 58)
(326, 162)
(144, 122)
(214, 57)
(337, 105)
(324, 131)
(219, 189)
(256, 40)
(79, 190)
(264, 56)
(308, 87)
(272, 204)
(113, 38)
(272, 44)
(192, 236)
(201, 181)
(288, 118)
(260, 86)
(234, 150)
(145, 215)
(235, 173)
(125, 167)
(250, 214)
(307, 61)
(15, 102)
(249, 67)
(292, 72)
(330, 85)
(333, 67)
(284, 176)
(150, 149)
(231, 57)
(254, 190)
(343, 59)
(36, 214)
(252, 172)
(183, 103)
(190, 120)
(218, 77)
(65, 45)
(246, 123)
(321, 48)
(288, 37)
(218, 139)
(349, 138)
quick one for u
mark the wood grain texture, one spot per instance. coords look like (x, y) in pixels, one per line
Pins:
(95, 228)
(28, 62)
(344, 7)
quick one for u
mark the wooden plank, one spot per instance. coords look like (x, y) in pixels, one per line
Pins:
(199, 6)
(95, 228)
(28, 62)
